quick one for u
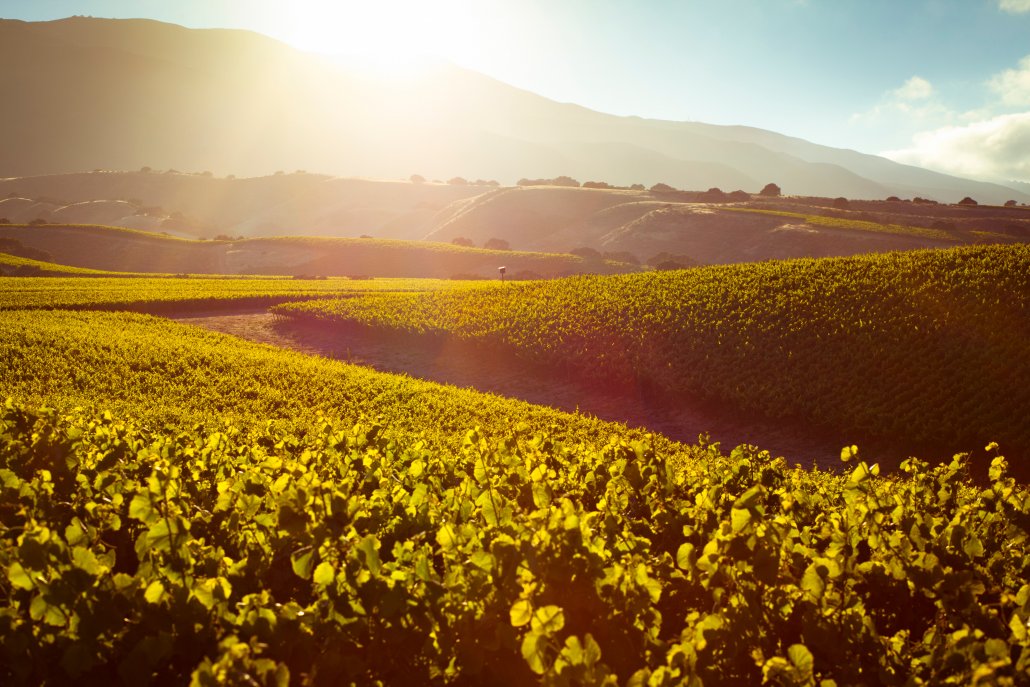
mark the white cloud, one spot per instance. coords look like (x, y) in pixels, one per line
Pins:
(913, 101)
(1014, 6)
(1013, 85)
(916, 88)
(997, 148)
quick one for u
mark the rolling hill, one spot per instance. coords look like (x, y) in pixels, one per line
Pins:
(84, 93)
(704, 227)
(128, 250)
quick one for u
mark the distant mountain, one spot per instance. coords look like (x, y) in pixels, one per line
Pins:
(84, 93)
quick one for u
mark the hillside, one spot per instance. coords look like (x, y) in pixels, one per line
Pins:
(710, 230)
(925, 348)
(163, 96)
(126, 250)
(204, 206)
(705, 227)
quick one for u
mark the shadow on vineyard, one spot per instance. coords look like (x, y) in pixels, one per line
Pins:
(495, 370)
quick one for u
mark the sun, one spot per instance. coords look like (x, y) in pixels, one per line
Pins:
(383, 33)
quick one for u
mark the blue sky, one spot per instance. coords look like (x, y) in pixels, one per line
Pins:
(942, 83)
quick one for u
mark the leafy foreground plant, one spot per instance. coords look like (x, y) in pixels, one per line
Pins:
(351, 554)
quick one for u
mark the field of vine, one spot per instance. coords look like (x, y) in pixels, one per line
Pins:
(19, 293)
(177, 505)
(17, 265)
(926, 347)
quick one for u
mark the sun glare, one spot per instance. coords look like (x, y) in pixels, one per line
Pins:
(392, 35)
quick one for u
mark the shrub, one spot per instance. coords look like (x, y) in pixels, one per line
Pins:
(1010, 203)
(462, 241)
(967, 201)
(770, 191)
(841, 203)
(497, 244)
(417, 179)
(662, 188)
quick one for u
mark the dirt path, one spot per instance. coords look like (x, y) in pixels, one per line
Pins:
(466, 366)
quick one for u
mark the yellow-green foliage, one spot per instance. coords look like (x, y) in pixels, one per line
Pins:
(32, 293)
(193, 506)
(929, 346)
(162, 372)
(41, 267)
(357, 554)
(846, 223)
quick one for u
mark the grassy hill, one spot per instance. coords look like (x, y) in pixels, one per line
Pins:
(716, 231)
(119, 249)
(924, 347)
(203, 206)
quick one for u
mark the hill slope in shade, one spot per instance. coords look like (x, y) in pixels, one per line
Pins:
(125, 250)
(702, 226)
(85, 93)
(204, 206)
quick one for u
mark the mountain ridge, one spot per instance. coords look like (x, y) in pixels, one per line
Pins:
(147, 93)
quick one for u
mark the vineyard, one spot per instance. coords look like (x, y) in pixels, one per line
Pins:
(19, 293)
(182, 506)
(924, 347)
(351, 556)
(17, 265)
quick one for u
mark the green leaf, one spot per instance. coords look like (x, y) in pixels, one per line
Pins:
(142, 508)
(739, 518)
(163, 533)
(534, 648)
(446, 537)
(859, 476)
(973, 547)
(19, 576)
(1019, 627)
(685, 556)
(548, 619)
(802, 659)
(302, 562)
(848, 453)
(84, 559)
(41, 609)
(749, 498)
(324, 574)
(368, 547)
(73, 533)
(155, 591)
(482, 560)
(521, 613)
(204, 592)
(541, 495)
(812, 582)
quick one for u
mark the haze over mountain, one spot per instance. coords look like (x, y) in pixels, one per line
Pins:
(84, 93)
